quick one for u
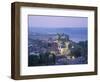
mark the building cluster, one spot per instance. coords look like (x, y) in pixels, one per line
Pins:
(60, 46)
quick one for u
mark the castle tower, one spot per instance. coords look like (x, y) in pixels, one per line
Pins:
(62, 41)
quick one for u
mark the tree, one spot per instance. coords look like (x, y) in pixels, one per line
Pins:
(33, 60)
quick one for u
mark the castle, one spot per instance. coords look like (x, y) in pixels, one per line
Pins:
(64, 45)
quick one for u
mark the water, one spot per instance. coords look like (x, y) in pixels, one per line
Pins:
(75, 34)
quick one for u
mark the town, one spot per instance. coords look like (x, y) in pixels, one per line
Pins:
(56, 49)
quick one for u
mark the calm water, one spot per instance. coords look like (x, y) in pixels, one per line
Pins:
(75, 34)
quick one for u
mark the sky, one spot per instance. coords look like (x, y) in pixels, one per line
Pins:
(57, 21)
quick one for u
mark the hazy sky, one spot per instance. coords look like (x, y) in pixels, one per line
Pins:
(56, 21)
